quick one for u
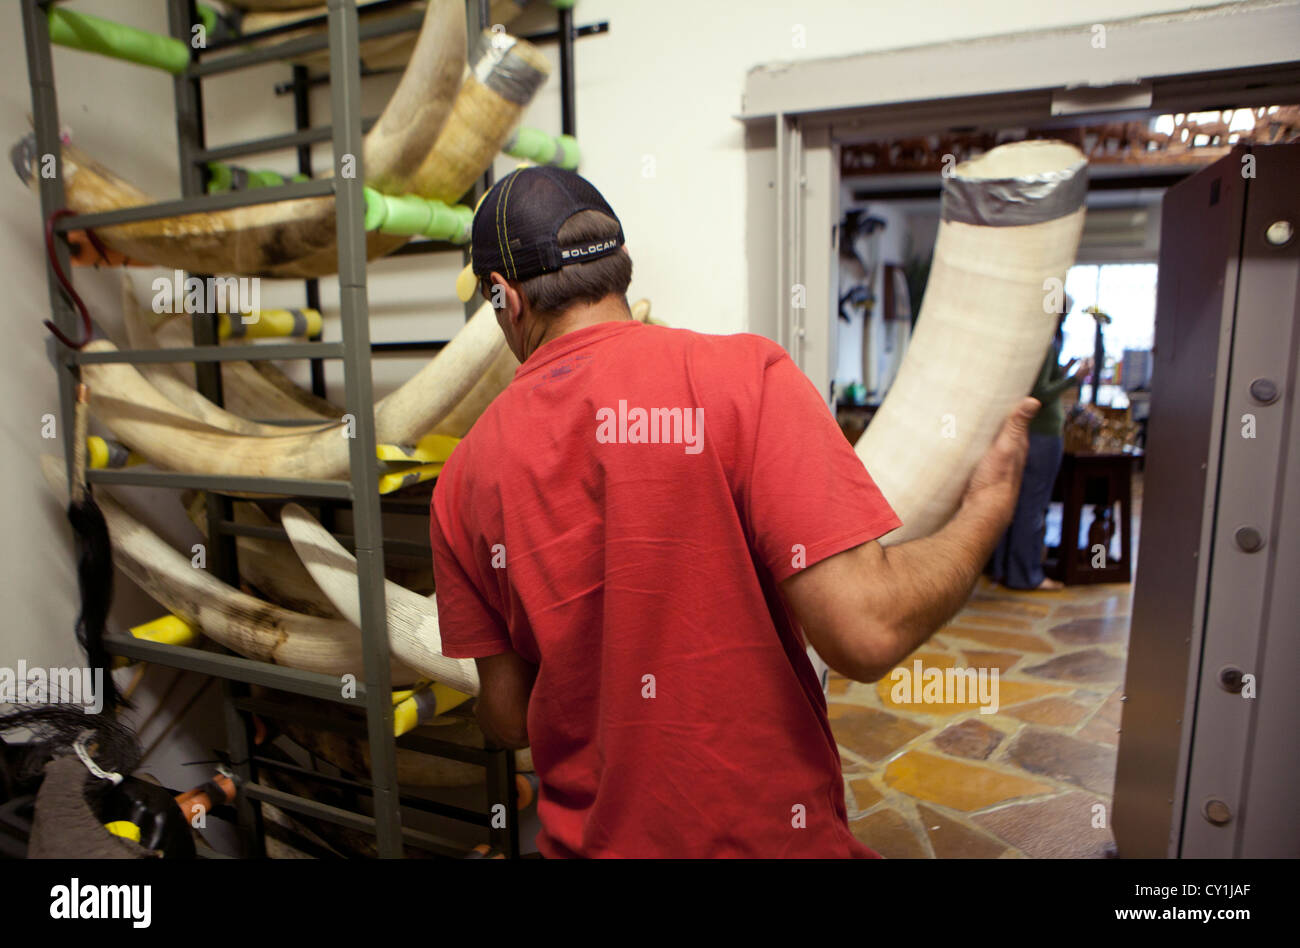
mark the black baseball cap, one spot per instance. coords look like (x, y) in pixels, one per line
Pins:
(517, 224)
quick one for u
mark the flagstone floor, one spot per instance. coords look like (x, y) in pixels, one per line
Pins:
(1034, 779)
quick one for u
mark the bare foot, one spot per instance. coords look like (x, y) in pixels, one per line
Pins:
(1049, 585)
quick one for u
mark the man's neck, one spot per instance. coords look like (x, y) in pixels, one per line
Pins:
(582, 315)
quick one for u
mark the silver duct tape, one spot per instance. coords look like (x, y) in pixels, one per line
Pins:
(501, 69)
(1014, 202)
(118, 454)
(299, 322)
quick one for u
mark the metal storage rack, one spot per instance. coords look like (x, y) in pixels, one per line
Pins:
(346, 30)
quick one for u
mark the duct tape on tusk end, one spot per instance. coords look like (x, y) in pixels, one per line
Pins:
(1015, 201)
(498, 65)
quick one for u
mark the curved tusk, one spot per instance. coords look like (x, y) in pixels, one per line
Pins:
(265, 564)
(494, 381)
(505, 75)
(412, 619)
(141, 416)
(250, 389)
(298, 238)
(167, 380)
(242, 623)
(1011, 225)
(419, 107)
(245, 390)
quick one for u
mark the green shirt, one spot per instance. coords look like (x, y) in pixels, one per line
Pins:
(1052, 383)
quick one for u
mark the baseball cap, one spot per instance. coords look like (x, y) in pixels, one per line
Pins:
(517, 225)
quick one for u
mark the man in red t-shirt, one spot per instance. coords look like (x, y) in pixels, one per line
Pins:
(636, 536)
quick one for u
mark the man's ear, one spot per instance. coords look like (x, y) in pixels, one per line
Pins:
(503, 297)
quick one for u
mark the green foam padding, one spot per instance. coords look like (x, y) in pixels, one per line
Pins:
(569, 153)
(375, 209)
(207, 16)
(407, 215)
(532, 144)
(93, 34)
(221, 177)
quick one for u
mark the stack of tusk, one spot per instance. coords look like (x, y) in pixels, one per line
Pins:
(246, 625)
(266, 564)
(1009, 230)
(412, 619)
(430, 140)
(141, 416)
(168, 382)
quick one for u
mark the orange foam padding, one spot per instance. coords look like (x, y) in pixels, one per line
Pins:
(83, 253)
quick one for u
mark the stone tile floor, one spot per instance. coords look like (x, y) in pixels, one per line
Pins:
(943, 780)
(1033, 779)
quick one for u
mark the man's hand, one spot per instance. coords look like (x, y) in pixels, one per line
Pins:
(994, 485)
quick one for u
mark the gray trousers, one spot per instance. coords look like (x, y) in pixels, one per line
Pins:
(1018, 560)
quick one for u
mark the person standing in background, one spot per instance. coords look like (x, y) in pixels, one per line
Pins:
(1017, 562)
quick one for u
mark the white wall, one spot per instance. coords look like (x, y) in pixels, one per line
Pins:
(656, 98)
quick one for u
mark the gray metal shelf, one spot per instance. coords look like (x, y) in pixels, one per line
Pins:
(346, 30)
(361, 490)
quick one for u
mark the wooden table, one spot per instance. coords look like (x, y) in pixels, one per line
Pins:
(1105, 482)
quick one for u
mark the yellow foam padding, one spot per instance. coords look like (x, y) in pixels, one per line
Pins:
(406, 476)
(96, 452)
(466, 283)
(125, 829)
(270, 324)
(168, 630)
(430, 448)
(99, 453)
(423, 703)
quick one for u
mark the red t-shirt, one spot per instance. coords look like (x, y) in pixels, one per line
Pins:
(621, 516)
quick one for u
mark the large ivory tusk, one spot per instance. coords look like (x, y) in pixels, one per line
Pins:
(490, 104)
(297, 238)
(289, 238)
(1010, 225)
(246, 391)
(240, 622)
(418, 109)
(412, 619)
(379, 52)
(167, 380)
(141, 416)
(494, 381)
(266, 564)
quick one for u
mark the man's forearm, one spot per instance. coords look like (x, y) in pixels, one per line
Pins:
(931, 578)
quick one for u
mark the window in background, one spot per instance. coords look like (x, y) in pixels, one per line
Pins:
(1127, 293)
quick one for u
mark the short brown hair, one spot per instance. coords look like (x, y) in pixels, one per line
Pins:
(589, 282)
